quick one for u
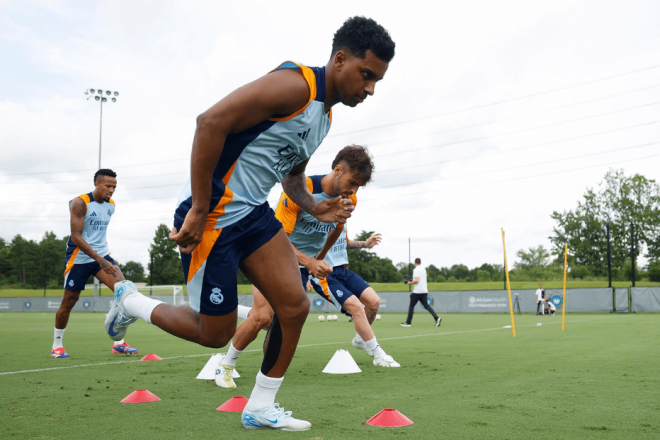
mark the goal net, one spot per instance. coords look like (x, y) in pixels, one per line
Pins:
(178, 295)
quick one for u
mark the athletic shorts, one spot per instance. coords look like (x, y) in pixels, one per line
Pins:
(341, 284)
(212, 268)
(77, 277)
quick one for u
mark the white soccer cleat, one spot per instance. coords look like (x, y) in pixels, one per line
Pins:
(273, 417)
(224, 376)
(117, 320)
(362, 346)
(386, 361)
(438, 322)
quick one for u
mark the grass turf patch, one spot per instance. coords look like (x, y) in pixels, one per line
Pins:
(467, 379)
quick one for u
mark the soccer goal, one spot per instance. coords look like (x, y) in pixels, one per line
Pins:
(178, 295)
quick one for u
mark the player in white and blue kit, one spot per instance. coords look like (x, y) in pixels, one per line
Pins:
(87, 254)
(260, 134)
(351, 294)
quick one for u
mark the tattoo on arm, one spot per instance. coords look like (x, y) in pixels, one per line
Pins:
(295, 186)
(356, 244)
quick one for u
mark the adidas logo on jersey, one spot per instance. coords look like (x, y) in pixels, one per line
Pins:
(93, 214)
(304, 134)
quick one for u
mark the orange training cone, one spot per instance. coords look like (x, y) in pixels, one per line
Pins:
(235, 404)
(151, 357)
(389, 417)
(140, 396)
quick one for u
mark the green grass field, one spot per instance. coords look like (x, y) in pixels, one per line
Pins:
(468, 379)
(380, 287)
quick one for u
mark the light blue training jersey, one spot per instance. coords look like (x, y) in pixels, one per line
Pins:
(97, 218)
(254, 160)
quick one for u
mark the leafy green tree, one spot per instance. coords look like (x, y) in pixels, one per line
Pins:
(619, 200)
(654, 270)
(580, 272)
(5, 265)
(166, 261)
(535, 257)
(133, 271)
(24, 262)
(459, 271)
(483, 275)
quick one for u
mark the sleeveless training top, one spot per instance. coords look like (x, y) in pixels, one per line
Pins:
(338, 255)
(306, 233)
(254, 160)
(97, 219)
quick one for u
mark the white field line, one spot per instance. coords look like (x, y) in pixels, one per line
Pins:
(299, 346)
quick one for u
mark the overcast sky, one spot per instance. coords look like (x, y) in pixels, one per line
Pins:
(493, 114)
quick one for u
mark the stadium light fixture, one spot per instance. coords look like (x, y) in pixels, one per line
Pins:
(98, 96)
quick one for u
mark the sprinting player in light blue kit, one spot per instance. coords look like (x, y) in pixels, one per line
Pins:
(351, 294)
(260, 134)
(87, 254)
(351, 169)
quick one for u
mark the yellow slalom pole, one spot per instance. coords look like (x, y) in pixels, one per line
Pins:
(563, 299)
(508, 286)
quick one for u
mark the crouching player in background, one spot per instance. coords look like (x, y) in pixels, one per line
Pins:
(351, 169)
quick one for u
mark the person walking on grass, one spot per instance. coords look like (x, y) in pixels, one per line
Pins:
(420, 293)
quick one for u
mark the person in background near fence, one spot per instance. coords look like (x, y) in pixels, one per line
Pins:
(550, 307)
(420, 293)
(540, 303)
(87, 254)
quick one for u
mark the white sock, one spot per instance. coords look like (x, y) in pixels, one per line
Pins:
(140, 306)
(58, 337)
(375, 348)
(243, 311)
(264, 392)
(232, 356)
(118, 342)
(358, 338)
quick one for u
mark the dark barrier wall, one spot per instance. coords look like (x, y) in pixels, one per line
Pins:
(490, 301)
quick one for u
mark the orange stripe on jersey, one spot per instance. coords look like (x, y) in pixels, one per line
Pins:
(326, 291)
(72, 258)
(112, 201)
(353, 198)
(287, 210)
(309, 76)
(203, 249)
(85, 198)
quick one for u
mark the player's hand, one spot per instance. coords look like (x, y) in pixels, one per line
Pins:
(191, 232)
(373, 240)
(319, 268)
(107, 267)
(334, 210)
(309, 286)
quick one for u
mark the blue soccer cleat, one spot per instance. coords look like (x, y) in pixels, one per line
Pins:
(273, 417)
(117, 320)
(124, 348)
(59, 353)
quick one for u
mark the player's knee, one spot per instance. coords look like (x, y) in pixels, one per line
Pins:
(296, 314)
(216, 341)
(262, 320)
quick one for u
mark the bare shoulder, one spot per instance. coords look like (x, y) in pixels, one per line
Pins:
(78, 207)
(286, 89)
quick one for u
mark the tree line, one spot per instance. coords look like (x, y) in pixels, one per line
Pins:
(618, 202)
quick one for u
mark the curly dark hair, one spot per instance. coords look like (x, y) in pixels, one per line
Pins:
(104, 172)
(360, 34)
(358, 160)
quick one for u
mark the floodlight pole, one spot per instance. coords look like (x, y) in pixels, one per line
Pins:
(100, 132)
